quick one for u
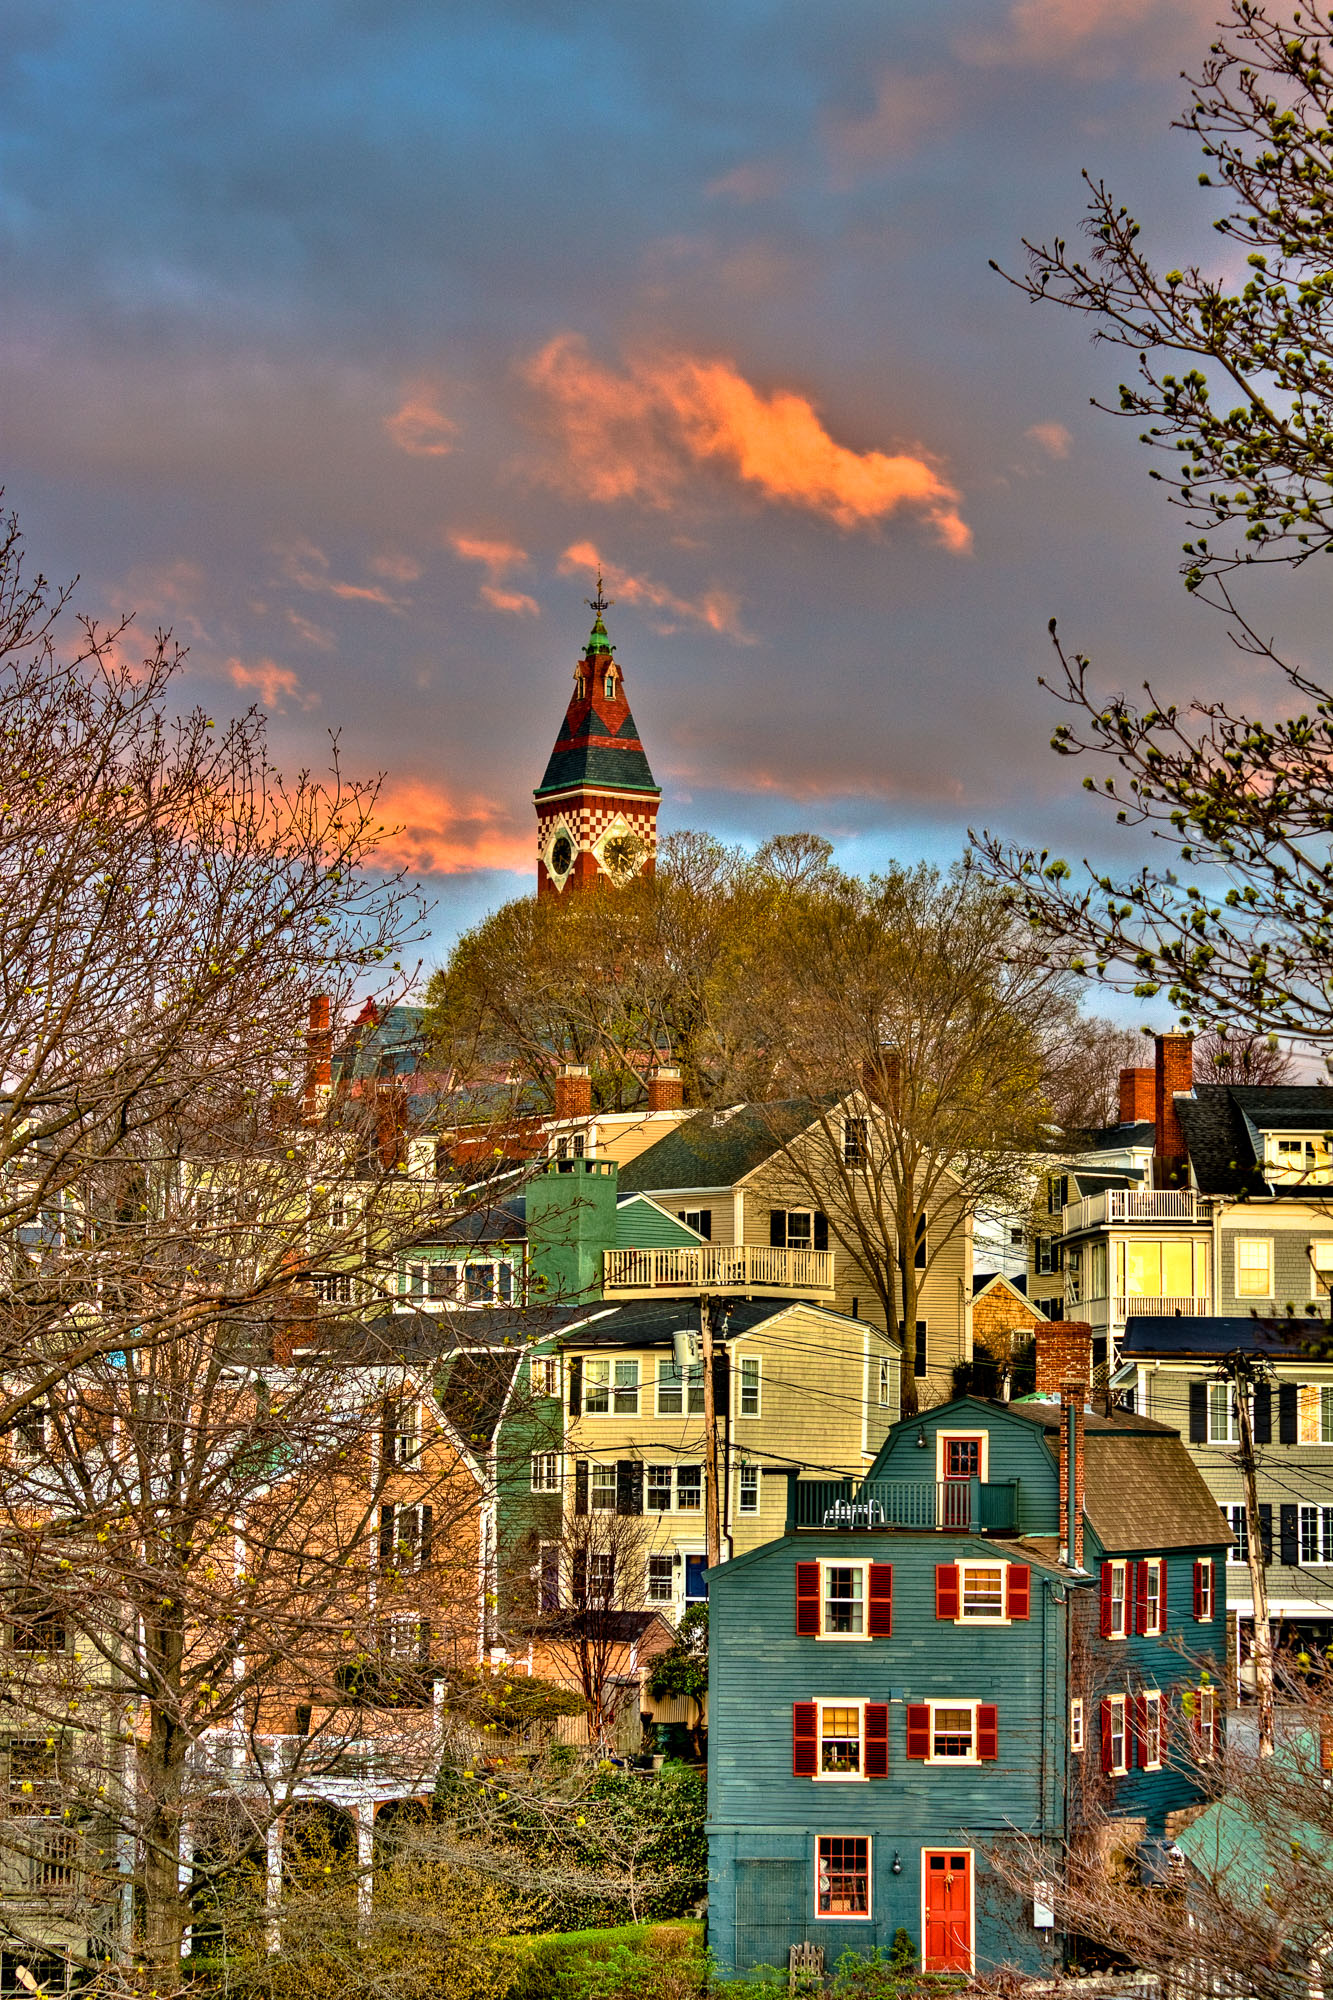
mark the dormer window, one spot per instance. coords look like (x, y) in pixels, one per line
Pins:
(611, 683)
(1296, 1155)
(580, 687)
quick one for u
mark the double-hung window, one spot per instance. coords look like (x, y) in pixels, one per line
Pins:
(545, 1375)
(1316, 1534)
(842, 1875)
(545, 1472)
(1254, 1267)
(611, 1388)
(1076, 1723)
(749, 1374)
(1114, 1600)
(952, 1732)
(1206, 1721)
(661, 1579)
(800, 1229)
(680, 1392)
(748, 1495)
(602, 1489)
(1326, 1414)
(689, 1489)
(980, 1591)
(844, 1610)
(1150, 1616)
(1222, 1418)
(840, 1740)
(1115, 1736)
(1239, 1522)
(855, 1141)
(1150, 1730)
(657, 1490)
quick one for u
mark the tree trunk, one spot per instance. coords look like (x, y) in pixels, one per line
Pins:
(162, 1776)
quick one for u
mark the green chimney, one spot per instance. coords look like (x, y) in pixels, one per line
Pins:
(571, 1212)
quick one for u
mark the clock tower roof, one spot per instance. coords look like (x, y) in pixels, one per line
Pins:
(598, 743)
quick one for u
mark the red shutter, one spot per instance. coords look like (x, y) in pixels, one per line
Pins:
(804, 1739)
(1106, 1735)
(881, 1600)
(1140, 1570)
(1161, 1596)
(918, 1729)
(877, 1739)
(946, 1590)
(1018, 1591)
(807, 1600)
(1106, 1600)
(1198, 1590)
(988, 1732)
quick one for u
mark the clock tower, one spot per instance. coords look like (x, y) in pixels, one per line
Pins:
(597, 803)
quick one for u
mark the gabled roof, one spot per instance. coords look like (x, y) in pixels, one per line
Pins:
(1141, 1488)
(715, 1149)
(651, 1322)
(1223, 1124)
(1150, 1335)
(598, 740)
(984, 1282)
(1109, 1138)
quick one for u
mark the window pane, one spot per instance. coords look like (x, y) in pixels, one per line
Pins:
(661, 1581)
(597, 1391)
(1326, 1416)
(627, 1388)
(750, 1387)
(749, 1502)
(603, 1489)
(844, 1608)
(983, 1591)
(1178, 1269)
(843, 1877)
(1143, 1270)
(840, 1739)
(951, 1734)
(1254, 1259)
(800, 1229)
(689, 1488)
(670, 1390)
(658, 1498)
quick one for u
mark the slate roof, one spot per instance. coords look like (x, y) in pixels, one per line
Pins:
(716, 1149)
(598, 740)
(1149, 1334)
(651, 1322)
(1110, 1137)
(1223, 1121)
(1141, 1488)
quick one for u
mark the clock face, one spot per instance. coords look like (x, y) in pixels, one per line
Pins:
(562, 855)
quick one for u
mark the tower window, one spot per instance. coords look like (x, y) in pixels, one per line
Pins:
(611, 683)
(580, 687)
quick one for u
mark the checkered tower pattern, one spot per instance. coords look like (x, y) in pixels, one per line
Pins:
(597, 790)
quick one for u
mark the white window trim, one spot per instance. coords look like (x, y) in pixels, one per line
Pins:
(1318, 1509)
(659, 1513)
(743, 1415)
(1236, 1242)
(976, 1617)
(971, 1757)
(681, 1387)
(1237, 1555)
(601, 1466)
(1077, 1733)
(789, 1213)
(1120, 1770)
(1208, 1570)
(1324, 1243)
(611, 1363)
(659, 1555)
(968, 1436)
(1153, 1696)
(1123, 1569)
(845, 1638)
(865, 1916)
(1157, 1563)
(549, 1364)
(556, 1459)
(840, 1777)
(1233, 1421)
(748, 1513)
(1322, 1389)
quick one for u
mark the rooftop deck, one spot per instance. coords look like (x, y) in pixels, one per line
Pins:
(720, 1267)
(985, 1507)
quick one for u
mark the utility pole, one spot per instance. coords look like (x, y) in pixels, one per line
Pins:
(712, 1497)
(1241, 1378)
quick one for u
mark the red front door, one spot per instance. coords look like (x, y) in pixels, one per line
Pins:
(948, 1910)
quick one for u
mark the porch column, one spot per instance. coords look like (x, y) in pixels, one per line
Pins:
(184, 1870)
(365, 1858)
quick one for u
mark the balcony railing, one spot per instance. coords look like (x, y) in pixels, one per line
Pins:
(1115, 1205)
(719, 1267)
(1177, 1306)
(981, 1507)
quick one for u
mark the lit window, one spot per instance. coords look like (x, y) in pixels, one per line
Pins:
(842, 1876)
(981, 1592)
(951, 1734)
(602, 1489)
(689, 1488)
(750, 1386)
(840, 1741)
(1076, 1723)
(1222, 1417)
(545, 1472)
(749, 1489)
(661, 1580)
(1254, 1267)
(844, 1600)
(657, 1493)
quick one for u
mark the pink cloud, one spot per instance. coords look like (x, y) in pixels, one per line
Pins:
(715, 609)
(430, 831)
(907, 109)
(274, 685)
(309, 567)
(1053, 438)
(397, 567)
(497, 559)
(636, 435)
(419, 426)
(1047, 33)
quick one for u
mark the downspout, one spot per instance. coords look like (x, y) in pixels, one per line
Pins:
(1071, 1482)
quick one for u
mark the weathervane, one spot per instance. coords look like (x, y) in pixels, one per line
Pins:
(597, 605)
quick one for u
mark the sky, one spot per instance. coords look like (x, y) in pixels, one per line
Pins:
(348, 337)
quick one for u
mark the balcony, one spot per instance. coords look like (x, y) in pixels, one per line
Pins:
(1125, 1304)
(720, 1267)
(953, 1505)
(1122, 1205)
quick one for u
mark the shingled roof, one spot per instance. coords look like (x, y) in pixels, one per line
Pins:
(598, 740)
(1141, 1488)
(1222, 1121)
(718, 1148)
(1211, 1337)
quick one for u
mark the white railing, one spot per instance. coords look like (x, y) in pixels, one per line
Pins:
(1168, 1307)
(1137, 1205)
(718, 1267)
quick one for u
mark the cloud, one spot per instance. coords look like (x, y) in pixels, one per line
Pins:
(635, 436)
(1052, 438)
(427, 830)
(309, 567)
(420, 426)
(399, 568)
(1048, 33)
(274, 685)
(907, 109)
(310, 634)
(497, 559)
(716, 609)
(755, 180)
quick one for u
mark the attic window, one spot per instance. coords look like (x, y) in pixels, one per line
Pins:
(611, 683)
(580, 687)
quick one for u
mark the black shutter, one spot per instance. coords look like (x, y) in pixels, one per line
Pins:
(706, 1224)
(1262, 1422)
(1290, 1544)
(629, 1486)
(721, 1382)
(1266, 1529)
(919, 1253)
(386, 1537)
(390, 1431)
(427, 1534)
(777, 1228)
(575, 1384)
(821, 1230)
(1288, 1413)
(406, 1536)
(1198, 1413)
(580, 1486)
(919, 1359)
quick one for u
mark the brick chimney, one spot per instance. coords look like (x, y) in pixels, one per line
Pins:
(665, 1091)
(881, 1075)
(573, 1091)
(1138, 1096)
(1063, 1355)
(1172, 1077)
(1071, 1432)
(319, 1059)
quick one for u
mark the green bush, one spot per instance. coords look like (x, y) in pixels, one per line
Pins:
(630, 1962)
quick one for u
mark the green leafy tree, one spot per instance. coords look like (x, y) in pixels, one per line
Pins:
(681, 1673)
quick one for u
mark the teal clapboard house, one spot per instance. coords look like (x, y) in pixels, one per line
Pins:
(922, 1673)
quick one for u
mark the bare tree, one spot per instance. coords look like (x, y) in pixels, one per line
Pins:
(588, 1638)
